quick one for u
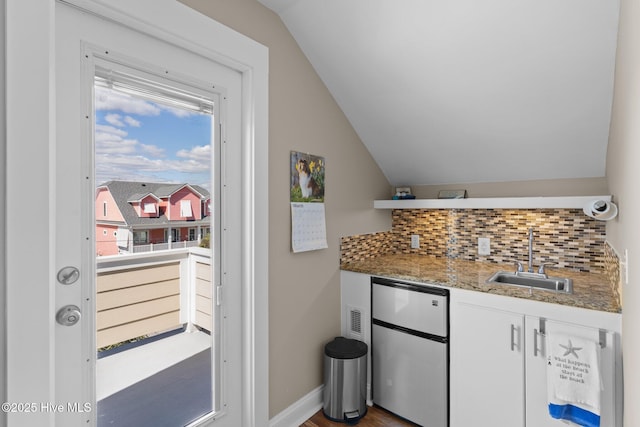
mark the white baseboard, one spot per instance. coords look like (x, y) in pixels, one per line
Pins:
(300, 411)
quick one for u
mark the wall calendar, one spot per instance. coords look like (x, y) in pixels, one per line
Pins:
(308, 223)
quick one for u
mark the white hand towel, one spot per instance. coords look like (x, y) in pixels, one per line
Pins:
(573, 379)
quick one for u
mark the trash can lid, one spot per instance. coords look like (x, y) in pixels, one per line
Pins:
(345, 348)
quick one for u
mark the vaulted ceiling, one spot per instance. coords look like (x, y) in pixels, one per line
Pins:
(456, 91)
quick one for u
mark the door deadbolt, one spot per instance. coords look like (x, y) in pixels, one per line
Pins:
(68, 275)
(68, 315)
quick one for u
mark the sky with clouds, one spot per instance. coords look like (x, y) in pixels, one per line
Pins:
(139, 140)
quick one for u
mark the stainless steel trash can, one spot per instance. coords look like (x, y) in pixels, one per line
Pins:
(345, 380)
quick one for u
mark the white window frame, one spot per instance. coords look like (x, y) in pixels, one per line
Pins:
(152, 208)
(137, 233)
(186, 210)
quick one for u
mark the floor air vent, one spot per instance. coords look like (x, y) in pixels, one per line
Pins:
(355, 322)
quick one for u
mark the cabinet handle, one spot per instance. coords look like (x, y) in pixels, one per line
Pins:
(513, 335)
(536, 350)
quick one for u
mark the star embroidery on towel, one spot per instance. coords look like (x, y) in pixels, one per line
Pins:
(570, 349)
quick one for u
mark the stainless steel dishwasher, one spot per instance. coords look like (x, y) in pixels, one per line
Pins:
(409, 350)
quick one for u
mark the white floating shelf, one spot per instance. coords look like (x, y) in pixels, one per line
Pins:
(565, 202)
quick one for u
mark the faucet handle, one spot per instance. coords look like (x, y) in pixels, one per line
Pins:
(519, 267)
(541, 269)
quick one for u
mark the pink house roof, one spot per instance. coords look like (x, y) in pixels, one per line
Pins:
(137, 198)
(127, 192)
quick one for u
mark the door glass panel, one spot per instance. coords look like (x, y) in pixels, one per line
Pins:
(154, 313)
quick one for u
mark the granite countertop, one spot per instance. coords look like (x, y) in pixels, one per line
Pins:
(590, 290)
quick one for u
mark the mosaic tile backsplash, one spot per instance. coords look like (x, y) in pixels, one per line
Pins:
(612, 269)
(564, 237)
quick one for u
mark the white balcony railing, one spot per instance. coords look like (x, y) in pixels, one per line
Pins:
(151, 247)
(151, 292)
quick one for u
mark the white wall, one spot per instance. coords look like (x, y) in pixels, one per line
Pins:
(623, 173)
(304, 288)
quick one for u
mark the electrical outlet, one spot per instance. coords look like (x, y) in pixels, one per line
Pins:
(415, 241)
(484, 246)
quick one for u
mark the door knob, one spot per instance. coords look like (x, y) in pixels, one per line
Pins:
(68, 315)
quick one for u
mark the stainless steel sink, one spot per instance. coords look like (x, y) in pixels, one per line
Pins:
(532, 280)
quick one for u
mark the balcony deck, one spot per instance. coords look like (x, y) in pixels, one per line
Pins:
(163, 383)
(166, 380)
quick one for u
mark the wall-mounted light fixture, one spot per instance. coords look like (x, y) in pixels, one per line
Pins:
(601, 210)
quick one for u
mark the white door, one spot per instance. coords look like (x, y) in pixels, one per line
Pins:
(487, 367)
(47, 364)
(82, 42)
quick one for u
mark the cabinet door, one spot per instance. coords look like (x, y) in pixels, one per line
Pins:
(536, 375)
(487, 367)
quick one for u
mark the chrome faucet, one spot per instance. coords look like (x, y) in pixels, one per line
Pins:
(520, 267)
(530, 269)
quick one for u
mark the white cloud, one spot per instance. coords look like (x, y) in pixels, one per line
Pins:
(110, 130)
(109, 139)
(122, 146)
(132, 122)
(188, 166)
(178, 112)
(153, 150)
(120, 157)
(114, 119)
(112, 140)
(199, 153)
(119, 121)
(113, 160)
(138, 162)
(198, 159)
(140, 168)
(106, 99)
(124, 168)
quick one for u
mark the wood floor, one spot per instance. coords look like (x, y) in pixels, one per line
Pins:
(375, 417)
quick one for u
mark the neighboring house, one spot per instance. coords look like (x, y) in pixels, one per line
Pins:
(132, 215)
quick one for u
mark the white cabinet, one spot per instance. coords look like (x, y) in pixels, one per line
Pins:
(498, 360)
(497, 379)
(487, 368)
